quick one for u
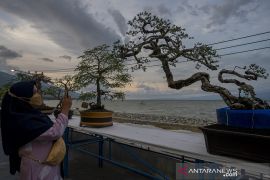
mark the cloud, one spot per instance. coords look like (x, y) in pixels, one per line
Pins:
(119, 20)
(163, 10)
(187, 7)
(47, 59)
(180, 9)
(145, 87)
(186, 4)
(148, 8)
(66, 57)
(68, 23)
(238, 9)
(5, 55)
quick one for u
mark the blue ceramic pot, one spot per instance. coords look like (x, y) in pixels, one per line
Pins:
(252, 119)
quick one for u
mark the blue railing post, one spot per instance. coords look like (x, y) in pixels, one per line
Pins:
(66, 160)
(110, 149)
(100, 152)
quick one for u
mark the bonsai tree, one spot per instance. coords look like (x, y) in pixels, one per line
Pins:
(54, 91)
(61, 87)
(155, 39)
(100, 67)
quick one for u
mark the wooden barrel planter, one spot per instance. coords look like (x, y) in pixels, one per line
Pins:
(96, 118)
(243, 134)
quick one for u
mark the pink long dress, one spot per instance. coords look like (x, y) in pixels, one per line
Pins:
(40, 148)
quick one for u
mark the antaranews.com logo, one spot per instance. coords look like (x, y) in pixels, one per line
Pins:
(195, 171)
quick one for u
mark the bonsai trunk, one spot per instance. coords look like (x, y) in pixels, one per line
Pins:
(231, 100)
(98, 94)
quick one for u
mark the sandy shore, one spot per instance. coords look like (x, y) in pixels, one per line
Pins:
(164, 122)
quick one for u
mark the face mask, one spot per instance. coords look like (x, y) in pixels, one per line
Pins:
(34, 101)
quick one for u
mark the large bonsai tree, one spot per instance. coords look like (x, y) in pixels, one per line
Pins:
(155, 39)
(99, 66)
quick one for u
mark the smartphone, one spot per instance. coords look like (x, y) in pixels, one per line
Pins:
(66, 91)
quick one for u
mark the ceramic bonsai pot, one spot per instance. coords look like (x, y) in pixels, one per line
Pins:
(95, 118)
(244, 143)
(252, 119)
(242, 134)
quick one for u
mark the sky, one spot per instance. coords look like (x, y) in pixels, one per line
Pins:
(47, 34)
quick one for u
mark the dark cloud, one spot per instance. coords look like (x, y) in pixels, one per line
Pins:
(66, 57)
(6, 54)
(47, 59)
(163, 10)
(66, 22)
(238, 9)
(119, 20)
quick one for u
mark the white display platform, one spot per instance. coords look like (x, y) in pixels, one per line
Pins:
(167, 142)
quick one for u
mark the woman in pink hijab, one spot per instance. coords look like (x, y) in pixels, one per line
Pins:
(28, 135)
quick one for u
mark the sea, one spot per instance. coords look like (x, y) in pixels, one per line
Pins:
(197, 109)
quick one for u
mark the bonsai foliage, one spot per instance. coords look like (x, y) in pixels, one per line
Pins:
(155, 39)
(54, 91)
(99, 66)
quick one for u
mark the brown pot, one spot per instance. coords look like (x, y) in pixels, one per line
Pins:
(244, 143)
(96, 118)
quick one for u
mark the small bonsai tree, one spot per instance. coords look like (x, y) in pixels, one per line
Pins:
(61, 87)
(99, 66)
(54, 92)
(155, 39)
